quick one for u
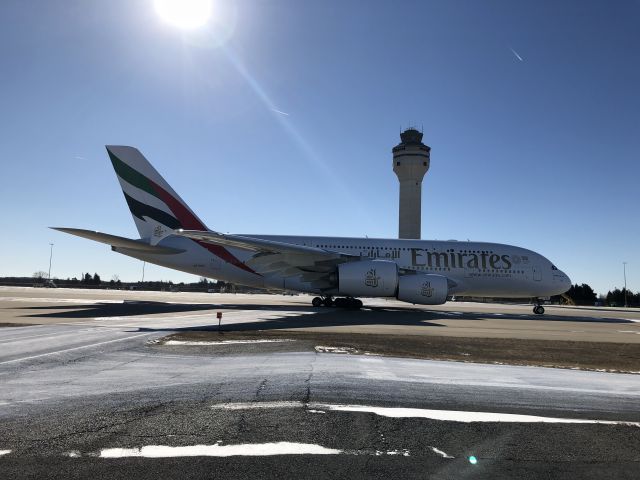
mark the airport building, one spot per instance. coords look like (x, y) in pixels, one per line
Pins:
(411, 160)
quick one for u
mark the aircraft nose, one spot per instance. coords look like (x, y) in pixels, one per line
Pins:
(566, 281)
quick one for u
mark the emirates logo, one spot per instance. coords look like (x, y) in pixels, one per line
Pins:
(426, 290)
(371, 279)
(158, 231)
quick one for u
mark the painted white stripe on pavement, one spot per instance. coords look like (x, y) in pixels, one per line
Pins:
(74, 348)
(59, 300)
(5, 452)
(58, 334)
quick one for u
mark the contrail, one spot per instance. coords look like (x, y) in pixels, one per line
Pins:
(516, 54)
(280, 112)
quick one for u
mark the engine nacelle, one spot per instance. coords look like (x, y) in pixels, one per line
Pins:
(373, 278)
(423, 289)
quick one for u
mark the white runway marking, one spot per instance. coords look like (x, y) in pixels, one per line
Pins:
(225, 342)
(74, 348)
(60, 300)
(54, 335)
(18, 338)
(5, 452)
(247, 450)
(462, 416)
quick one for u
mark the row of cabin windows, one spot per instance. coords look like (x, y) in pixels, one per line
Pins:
(399, 248)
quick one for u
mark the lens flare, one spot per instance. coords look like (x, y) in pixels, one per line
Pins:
(184, 14)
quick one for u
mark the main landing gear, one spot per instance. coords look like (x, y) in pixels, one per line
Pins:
(346, 302)
(537, 308)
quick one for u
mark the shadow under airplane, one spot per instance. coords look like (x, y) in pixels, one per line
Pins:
(307, 317)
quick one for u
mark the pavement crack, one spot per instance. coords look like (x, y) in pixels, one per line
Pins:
(261, 387)
(307, 397)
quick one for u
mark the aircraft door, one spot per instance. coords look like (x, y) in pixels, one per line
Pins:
(537, 276)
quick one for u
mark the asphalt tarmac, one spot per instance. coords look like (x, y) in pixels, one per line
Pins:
(88, 390)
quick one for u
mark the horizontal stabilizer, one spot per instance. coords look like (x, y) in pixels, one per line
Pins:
(120, 242)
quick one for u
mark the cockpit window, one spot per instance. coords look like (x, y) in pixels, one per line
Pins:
(553, 267)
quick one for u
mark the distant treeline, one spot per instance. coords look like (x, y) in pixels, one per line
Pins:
(584, 295)
(577, 295)
(39, 279)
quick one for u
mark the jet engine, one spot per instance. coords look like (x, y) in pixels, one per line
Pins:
(423, 289)
(372, 278)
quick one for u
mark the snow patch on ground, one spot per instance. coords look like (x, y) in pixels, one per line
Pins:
(441, 453)
(225, 342)
(258, 405)
(404, 453)
(463, 416)
(325, 349)
(394, 412)
(246, 450)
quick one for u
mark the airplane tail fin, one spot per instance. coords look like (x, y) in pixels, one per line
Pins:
(156, 208)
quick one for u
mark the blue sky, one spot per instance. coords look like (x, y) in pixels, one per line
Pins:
(540, 152)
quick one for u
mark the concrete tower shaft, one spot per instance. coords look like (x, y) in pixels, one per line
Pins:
(411, 160)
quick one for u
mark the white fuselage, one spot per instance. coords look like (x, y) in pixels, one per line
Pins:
(477, 268)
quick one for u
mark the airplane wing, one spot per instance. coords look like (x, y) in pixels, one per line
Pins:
(117, 242)
(311, 264)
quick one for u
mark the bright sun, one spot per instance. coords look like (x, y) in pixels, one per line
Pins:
(186, 14)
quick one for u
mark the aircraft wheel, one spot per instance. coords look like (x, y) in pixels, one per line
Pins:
(340, 302)
(316, 302)
(357, 303)
(328, 302)
(538, 310)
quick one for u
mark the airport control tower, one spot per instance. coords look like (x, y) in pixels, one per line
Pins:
(410, 162)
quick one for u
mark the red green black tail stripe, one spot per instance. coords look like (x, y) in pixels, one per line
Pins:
(183, 217)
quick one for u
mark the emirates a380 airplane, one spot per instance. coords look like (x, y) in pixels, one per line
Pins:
(337, 269)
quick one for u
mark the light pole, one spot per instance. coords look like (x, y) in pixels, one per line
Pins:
(624, 266)
(50, 257)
